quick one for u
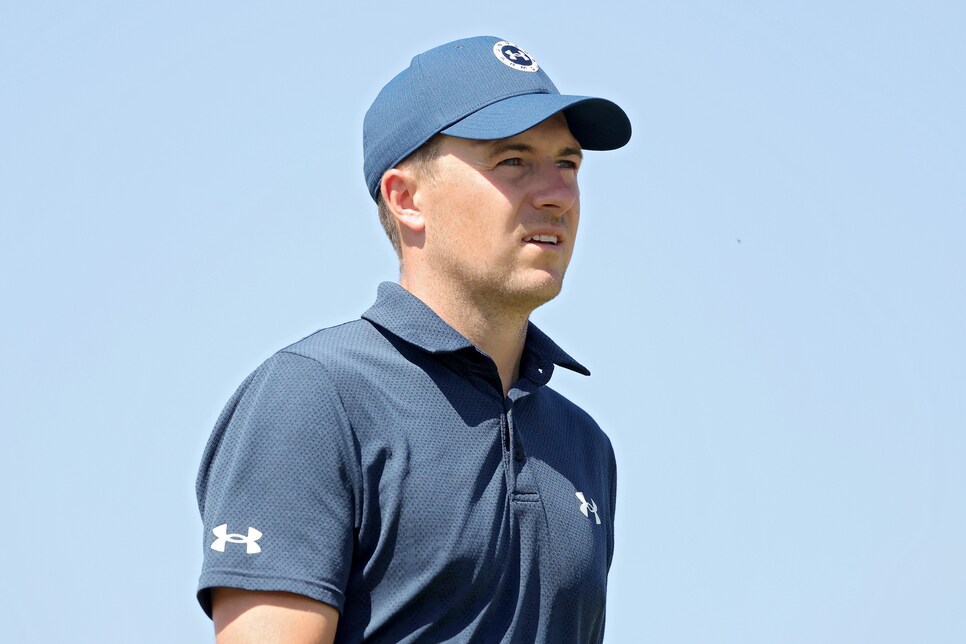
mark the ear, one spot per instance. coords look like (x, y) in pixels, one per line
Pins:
(398, 188)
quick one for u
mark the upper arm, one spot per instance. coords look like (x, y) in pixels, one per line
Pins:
(249, 617)
(277, 487)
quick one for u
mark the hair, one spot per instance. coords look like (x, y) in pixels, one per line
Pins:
(419, 161)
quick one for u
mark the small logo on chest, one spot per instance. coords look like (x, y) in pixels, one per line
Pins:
(586, 507)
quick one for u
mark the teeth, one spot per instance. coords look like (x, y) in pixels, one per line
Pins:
(549, 239)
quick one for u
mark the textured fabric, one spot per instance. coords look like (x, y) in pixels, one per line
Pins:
(376, 466)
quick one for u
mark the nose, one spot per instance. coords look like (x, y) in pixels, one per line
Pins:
(555, 188)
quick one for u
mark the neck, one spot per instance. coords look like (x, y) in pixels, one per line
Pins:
(498, 332)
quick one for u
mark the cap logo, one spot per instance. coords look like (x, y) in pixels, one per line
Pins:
(512, 56)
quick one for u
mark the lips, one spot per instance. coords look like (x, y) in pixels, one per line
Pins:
(542, 239)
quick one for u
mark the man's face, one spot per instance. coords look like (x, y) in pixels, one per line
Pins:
(502, 215)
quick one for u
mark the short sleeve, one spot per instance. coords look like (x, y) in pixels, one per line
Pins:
(278, 486)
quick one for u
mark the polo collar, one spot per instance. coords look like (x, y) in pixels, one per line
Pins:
(406, 316)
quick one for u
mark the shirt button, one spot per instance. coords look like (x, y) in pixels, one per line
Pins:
(518, 453)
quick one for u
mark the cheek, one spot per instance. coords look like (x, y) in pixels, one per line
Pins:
(457, 227)
(573, 218)
(477, 213)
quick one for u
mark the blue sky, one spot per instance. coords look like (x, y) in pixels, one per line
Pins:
(768, 289)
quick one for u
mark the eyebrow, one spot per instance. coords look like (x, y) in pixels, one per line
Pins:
(499, 147)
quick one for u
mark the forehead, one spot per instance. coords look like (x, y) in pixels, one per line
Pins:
(551, 135)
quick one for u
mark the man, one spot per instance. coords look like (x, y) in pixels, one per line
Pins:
(409, 476)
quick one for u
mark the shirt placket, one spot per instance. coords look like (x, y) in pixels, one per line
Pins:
(520, 480)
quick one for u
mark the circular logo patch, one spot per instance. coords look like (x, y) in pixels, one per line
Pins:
(512, 56)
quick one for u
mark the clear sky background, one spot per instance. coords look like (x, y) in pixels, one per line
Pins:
(768, 288)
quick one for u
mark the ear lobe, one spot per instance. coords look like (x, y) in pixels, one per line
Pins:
(399, 194)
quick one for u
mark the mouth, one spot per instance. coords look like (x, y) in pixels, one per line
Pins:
(550, 240)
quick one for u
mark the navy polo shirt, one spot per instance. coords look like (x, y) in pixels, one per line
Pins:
(377, 466)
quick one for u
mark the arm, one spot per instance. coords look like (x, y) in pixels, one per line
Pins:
(277, 491)
(250, 617)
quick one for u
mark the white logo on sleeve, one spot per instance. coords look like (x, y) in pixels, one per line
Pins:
(586, 508)
(253, 535)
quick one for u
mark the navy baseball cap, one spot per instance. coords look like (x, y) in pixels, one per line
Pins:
(480, 88)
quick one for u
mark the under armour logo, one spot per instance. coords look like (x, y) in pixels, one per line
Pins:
(512, 56)
(516, 55)
(586, 508)
(253, 535)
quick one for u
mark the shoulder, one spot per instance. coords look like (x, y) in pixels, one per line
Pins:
(319, 360)
(333, 341)
(348, 347)
(292, 402)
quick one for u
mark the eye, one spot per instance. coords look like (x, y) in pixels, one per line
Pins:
(567, 164)
(512, 161)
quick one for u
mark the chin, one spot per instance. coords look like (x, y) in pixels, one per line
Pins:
(535, 294)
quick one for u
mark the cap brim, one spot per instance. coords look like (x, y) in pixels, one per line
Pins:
(596, 123)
